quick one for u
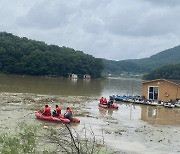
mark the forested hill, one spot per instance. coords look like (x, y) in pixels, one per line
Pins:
(166, 72)
(166, 57)
(25, 56)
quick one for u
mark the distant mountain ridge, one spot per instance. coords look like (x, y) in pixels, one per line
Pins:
(144, 65)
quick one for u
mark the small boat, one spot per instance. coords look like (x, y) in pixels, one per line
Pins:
(177, 104)
(169, 105)
(60, 119)
(152, 103)
(116, 98)
(114, 106)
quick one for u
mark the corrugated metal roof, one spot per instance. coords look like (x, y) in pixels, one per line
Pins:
(177, 82)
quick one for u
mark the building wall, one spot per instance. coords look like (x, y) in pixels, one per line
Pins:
(86, 76)
(167, 90)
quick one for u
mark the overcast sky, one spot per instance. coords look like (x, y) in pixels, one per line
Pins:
(111, 29)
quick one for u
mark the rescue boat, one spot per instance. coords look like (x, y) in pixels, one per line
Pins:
(115, 106)
(60, 119)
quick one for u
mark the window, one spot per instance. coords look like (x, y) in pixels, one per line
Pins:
(153, 93)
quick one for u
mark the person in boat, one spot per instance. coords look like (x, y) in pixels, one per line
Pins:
(109, 104)
(57, 111)
(69, 114)
(101, 100)
(47, 111)
(104, 102)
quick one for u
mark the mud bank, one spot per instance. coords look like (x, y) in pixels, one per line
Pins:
(126, 132)
(123, 134)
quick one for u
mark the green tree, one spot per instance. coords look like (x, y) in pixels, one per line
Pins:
(24, 56)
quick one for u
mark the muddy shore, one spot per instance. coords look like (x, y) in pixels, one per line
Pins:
(136, 137)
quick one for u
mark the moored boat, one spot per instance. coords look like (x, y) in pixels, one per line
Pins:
(169, 105)
(117, 98)
(177, 105)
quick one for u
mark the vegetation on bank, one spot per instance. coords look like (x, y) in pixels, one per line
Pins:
(166, 72)
(47, 140)
(25, 56)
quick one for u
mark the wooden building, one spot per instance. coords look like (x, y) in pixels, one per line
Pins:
(161, 89)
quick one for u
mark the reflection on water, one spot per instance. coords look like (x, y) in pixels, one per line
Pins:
(104, 111)
(50, 86)
(160, 115)
(73, 81)
(132, 114)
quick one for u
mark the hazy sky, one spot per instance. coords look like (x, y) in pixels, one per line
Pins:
(111, 29)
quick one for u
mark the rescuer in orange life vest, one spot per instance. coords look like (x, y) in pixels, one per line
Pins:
(101, 100)
(47, 111)
(69, 114)
(105, 101)
(57, 111)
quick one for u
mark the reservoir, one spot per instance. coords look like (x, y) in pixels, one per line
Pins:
(148, 129)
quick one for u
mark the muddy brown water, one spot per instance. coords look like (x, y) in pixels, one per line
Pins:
(130, 129)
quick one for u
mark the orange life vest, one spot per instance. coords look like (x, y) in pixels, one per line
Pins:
(47, 111)
(101, 100)
(58, 110)
(105, 102)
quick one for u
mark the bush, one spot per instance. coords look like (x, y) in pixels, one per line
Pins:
(63, 140)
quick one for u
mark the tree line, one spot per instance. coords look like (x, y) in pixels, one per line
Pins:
(25, 56)
(166, 72)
